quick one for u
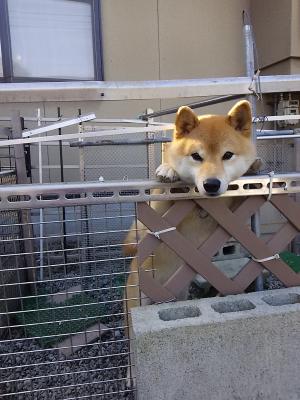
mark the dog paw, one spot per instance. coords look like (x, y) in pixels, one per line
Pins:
(165, 173)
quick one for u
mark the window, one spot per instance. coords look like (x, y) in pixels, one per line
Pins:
(50, 40)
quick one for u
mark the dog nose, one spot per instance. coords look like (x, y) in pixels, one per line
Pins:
(211, 185)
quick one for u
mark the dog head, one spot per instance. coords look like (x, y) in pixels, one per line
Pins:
(212, 150)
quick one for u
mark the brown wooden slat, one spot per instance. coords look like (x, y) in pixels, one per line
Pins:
(276, 244)
(243, 212)
(146, 247)
(184, 275)
(283, 237)
(174, 215)
(248, 239)
(183, 248)
(181, 278)
(288, 207)
(153, 289)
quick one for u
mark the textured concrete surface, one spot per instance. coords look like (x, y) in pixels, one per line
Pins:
(243, 347)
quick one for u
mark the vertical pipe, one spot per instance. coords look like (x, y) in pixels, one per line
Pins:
(62, 179)
(84, 208)
(41, 230)
(150, 150)
(25, 216)
(250, 70)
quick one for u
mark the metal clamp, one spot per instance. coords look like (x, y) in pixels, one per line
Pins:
(261, 260)
(158, 233)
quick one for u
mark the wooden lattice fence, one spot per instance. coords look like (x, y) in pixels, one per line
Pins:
(197, 260)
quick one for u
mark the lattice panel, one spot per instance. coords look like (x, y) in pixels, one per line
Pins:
(197, 260)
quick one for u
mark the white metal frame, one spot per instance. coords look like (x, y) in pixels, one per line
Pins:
(58, 125)
(142, 90)
(70, 194)
(120, 131)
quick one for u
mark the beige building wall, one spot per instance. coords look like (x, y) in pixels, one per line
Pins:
(276, 26)
(172, 39)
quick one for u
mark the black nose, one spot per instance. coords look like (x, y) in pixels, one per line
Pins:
(211, 185)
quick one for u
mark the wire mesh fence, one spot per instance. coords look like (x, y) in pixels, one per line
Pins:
(65, 329)
(277, 155)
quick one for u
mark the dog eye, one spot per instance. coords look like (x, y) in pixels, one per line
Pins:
(228, 155)
(196, 157)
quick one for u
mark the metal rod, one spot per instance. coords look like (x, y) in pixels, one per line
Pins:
(41, 226)
(261, 135)
(95, 121)
(110, 132)
(62, 179)
(271, 137)
(58, 125)
(250, 70)
(274, 132)
(120, 142)
(150, 149)
(25, 216)
(199, 104)
(83, 210)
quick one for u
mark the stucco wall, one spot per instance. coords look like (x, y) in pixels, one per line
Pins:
(277, 32)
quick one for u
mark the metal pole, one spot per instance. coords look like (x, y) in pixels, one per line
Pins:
(83, 209)
(199, 104)
(25, 216)
(41, 241)
(62, 179)
(150, 149)
(250, 69)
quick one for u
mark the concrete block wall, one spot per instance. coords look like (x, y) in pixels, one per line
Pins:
(242, 347)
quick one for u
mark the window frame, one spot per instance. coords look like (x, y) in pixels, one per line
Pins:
(5, 42)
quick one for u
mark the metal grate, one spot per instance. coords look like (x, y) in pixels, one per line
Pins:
(115, 162)
(277, 155)
(10, 274)
(66, 339)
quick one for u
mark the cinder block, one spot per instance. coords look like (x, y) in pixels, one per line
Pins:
(242, 347)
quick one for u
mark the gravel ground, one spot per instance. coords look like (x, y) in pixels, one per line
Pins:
(76, 378)
(273, 283)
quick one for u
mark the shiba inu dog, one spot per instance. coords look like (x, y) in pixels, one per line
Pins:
(209, 152)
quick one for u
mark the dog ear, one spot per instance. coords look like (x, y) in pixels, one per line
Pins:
(186, 121)
(240, 116)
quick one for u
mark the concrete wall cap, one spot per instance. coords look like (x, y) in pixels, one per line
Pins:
(216, 310)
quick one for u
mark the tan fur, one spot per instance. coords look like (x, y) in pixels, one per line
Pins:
(211, 136)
